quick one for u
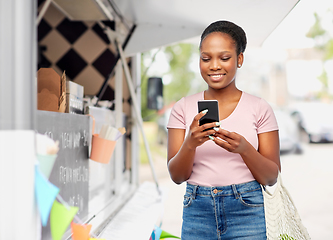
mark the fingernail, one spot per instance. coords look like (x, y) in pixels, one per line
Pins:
(211, 138)
(204, 111)
(218, 123)
(216, 129)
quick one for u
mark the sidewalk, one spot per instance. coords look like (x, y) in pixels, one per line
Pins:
(173, 206)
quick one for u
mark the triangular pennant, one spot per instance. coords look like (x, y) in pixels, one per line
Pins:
(46, 163)
(46, 193)
(165, 234)
(60, 219)
(80, 232)
(156, 233)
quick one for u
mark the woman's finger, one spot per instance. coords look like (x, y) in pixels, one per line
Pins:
(200, 115)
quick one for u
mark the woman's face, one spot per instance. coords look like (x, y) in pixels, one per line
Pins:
(219, 60)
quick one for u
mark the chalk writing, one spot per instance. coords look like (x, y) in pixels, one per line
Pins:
(70, 175)
(77, 201)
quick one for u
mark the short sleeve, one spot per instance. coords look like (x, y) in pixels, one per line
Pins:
(266, 120)
(177, 116)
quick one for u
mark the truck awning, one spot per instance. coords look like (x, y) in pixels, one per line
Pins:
(164, 22)
(160, 23)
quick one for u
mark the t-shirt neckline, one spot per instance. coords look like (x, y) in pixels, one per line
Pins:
(233, 112)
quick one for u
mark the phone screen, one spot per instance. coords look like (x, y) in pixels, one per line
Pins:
(213, 111)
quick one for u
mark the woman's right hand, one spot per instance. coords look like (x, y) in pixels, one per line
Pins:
(197, 135)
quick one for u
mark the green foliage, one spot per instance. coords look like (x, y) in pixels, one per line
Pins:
(316, 30)
(286, 237)
(324, 42)
(329, 49)
(179, 56)
(147, 114)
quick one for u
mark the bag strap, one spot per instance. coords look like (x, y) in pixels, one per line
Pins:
(277, 185)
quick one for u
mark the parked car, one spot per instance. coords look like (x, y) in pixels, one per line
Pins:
(316, 119)
(289, 133)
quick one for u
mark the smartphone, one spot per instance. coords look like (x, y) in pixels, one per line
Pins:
(213, 111)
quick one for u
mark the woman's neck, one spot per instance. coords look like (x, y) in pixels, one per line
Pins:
(223, 95)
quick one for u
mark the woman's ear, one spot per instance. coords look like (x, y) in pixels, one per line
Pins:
(240, 60)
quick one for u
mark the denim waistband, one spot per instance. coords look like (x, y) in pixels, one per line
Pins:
(234, 189)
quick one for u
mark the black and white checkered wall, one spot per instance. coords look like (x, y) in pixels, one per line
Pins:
(81, 49)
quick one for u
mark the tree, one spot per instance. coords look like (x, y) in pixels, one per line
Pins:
(324, 42)
(179, 56)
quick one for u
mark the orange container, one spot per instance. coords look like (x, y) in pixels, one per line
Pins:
(101, 149)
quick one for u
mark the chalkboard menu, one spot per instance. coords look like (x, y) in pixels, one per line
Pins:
(70, 172)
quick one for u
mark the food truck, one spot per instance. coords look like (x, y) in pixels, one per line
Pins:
(68, 69)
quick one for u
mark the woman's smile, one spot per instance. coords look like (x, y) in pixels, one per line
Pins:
(217, 77)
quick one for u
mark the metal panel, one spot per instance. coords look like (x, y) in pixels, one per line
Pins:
(17, 119)
(70, 172)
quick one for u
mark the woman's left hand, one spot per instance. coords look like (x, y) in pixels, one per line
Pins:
(231, 141)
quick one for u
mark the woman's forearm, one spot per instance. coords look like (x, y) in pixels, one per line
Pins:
(180, 166)
(264, 170)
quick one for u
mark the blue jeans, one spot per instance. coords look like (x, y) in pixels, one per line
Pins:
(227, 212)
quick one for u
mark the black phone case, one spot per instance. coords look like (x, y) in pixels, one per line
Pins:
(213, 111)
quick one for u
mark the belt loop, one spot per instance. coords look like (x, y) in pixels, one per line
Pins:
(235, 191)
(195, 191)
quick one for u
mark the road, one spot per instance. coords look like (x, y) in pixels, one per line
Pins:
(308, 178)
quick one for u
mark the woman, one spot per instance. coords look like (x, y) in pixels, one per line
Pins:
(223, 166)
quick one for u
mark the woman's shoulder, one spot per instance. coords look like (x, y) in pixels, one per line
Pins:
(190, 99)
(254, 100)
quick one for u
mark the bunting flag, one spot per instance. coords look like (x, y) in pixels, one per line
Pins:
(80, 232)
(45, 193)
(60, 219)
(158, 234)
(165, 235)
(46, 163)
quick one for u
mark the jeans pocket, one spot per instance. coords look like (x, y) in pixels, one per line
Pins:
(187, 199)
(252, 199)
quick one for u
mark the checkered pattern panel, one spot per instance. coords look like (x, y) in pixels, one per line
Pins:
(81, 49)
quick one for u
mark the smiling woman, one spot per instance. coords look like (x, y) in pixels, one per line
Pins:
(223, 166)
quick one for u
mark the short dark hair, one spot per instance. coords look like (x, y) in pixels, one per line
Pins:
(233, 30)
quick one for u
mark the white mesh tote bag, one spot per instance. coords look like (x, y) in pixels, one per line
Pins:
(282, 219)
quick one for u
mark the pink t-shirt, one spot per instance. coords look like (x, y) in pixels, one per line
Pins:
(213, 165)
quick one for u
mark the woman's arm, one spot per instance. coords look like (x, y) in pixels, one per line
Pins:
(180, 156)
(264, 164)
(181, 149)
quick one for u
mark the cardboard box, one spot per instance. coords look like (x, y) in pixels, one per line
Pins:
(74, 98)
(51, 90)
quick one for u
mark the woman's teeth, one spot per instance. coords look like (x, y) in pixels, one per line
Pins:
(216, 76)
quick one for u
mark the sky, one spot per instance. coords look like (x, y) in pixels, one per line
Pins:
(291, 33)
(292, 30)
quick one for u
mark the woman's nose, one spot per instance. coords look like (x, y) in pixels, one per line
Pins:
(215, 65)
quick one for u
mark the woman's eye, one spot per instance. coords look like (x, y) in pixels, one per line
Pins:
(225, 58)
(205, 59)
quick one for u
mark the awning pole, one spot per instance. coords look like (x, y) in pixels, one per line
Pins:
(137, 111)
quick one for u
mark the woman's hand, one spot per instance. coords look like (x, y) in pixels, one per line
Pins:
(231, 141)
(263, 163)
(197, 135)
